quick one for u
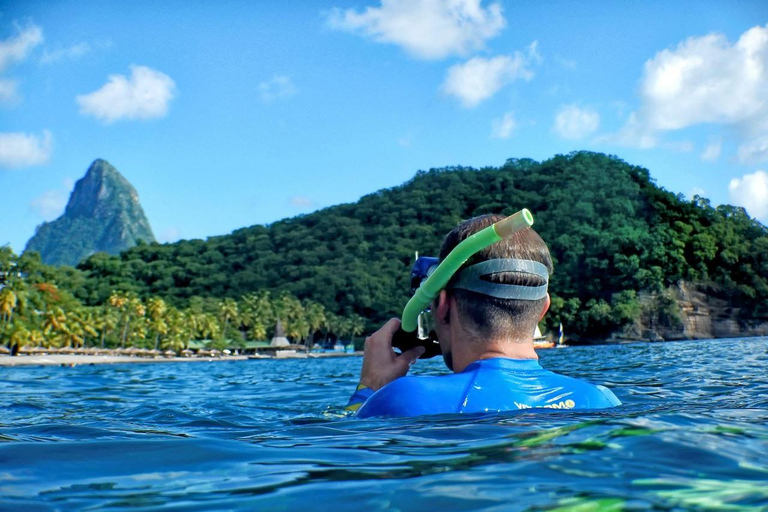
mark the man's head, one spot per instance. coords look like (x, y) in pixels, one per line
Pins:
(489, 318)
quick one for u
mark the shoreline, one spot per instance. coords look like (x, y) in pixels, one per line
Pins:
(80, 359)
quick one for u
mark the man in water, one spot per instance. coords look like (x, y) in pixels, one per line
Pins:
(484, 319)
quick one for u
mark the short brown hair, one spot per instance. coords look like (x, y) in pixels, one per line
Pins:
(490, 317)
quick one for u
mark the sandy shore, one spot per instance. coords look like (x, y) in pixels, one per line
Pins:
(74, 360)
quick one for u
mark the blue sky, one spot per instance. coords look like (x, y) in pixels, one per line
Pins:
(238, 113)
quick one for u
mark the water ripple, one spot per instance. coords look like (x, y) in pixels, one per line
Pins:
(271, 435)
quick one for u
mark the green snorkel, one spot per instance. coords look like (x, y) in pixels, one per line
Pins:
(406, 337)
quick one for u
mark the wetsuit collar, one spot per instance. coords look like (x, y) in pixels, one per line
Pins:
(503, 363)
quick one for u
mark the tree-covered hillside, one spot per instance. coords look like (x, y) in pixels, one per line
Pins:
(611, 230)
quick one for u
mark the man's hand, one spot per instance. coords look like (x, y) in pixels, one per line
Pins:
(381, 365)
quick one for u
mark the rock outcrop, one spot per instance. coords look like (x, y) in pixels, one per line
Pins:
(103, 214)
(689, 311)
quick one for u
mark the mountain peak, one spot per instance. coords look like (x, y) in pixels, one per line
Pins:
(102, 188)
(103, 214)
(100, 167)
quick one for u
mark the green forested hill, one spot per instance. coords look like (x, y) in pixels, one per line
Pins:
(611, 230)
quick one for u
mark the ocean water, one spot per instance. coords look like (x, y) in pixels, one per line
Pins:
(271, 435)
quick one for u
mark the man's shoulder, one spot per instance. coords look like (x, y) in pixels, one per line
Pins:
(414, 396)
(492, 390)
(588, 395)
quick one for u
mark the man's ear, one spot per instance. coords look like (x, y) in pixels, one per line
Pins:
(546, 307)
(443, 312)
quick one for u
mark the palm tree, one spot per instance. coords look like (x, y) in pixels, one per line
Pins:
(315, 316)
(106, 322)
(36, 337)
(343, 327)
(8, 302)
(288, 309)
(86, 324)
(257, 313)
(209, 326)
(227, 312)
(299, 329)
(138, 334)
(119, 301)
(130, 308)
(73, 335)
(7, 260)
(19, 337)
(331, 325)
(182, 326)
(177, 342)
(177, 337)
(356, 326)
(157, 308)
(54, 320)
(55, 325)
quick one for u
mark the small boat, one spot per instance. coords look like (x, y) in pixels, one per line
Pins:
(560, 338)
(539, 341)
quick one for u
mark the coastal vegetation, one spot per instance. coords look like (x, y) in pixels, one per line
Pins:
(620, 244)
(35, 312)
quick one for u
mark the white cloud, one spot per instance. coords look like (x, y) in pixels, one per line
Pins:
(71, 52)
(533, 52)
(712, 152)
(755, 150)
(278, 87)
(145, 95)
(426, 29)
(698, 191)
(574, 122)
(478, 78)
(706, 80)
(504, 127)
(302, 202)
(19, 149)
(169, 235)
(51, 203)
(751, 192)
(17, 48)
(634, 134)
(8, 91)
(681, 146)
(568, 64)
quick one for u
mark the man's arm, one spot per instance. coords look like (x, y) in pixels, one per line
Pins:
(381, 364)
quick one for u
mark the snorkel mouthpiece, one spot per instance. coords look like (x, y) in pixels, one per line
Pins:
(406, 337)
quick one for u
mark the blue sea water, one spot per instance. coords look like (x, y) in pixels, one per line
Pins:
(271, 435)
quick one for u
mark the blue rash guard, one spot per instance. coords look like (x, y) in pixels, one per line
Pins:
(487, 385)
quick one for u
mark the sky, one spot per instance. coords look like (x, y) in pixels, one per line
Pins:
(228, 114)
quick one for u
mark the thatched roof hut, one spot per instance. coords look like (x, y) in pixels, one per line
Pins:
(279, 340)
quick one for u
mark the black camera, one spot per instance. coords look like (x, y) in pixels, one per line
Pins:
(422, 336)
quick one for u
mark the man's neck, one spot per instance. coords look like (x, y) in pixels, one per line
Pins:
(466, 353)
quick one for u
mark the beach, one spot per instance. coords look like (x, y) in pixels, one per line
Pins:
(87, 359)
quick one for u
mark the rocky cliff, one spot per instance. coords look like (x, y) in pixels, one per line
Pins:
(689, 311)
(103, 214)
